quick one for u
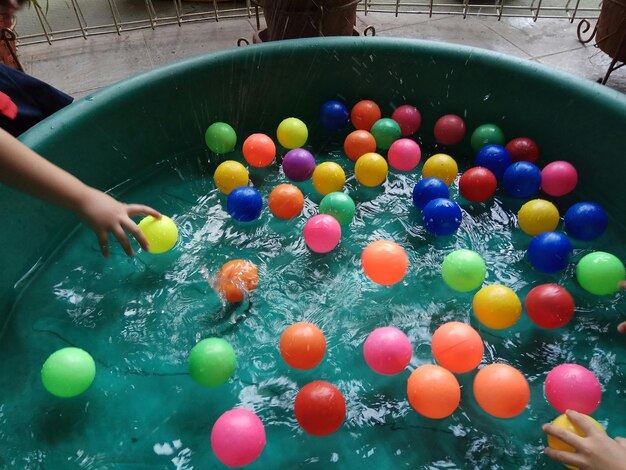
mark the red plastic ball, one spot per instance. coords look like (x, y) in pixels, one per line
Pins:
(449, 129)
(320, 408)
(364, 114)
(549, 306)
(408, 118)
(477, 184)
(259, 150)
(523, 149)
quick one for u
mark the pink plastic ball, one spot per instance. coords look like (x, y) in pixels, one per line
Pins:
(387, 350)
(558, 178)
(408, 118)
(238, 437)
(322, 233)
(573, 387)
(404, 154)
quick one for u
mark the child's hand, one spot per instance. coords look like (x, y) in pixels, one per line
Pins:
(103, 214)
(596, 451)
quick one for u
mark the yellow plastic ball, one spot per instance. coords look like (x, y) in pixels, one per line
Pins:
(160, 233)
(563, 422)
(292, 133)
(497, 306)
(230, 175)
(538, 216)
(371, 169)
(441, 166)
(328, 177)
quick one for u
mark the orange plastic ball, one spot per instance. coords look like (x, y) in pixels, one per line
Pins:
(501, 390)
(364, 114)
(302, 345)
(384, 262)
(359, 143)
(286, 201)
(259, 150)
(235, 278)
(457, 346)
(433, 391)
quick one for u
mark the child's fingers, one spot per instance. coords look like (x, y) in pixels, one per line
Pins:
(140, 209)
(103, 242)
(621, 441)
(566, 458)
(137, 233)
(566, 436)
(582, 422)
(123, 240)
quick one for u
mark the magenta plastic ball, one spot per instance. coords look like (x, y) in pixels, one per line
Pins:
(322, 233)
(404, 154)
(558, 178)
(408, 118)
(449, 129)
(387, 350)
(298, 165)
(573, 387)
(238, 437)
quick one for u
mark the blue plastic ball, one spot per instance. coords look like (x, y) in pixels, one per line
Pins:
(442, 216)
(522, 179)
(495, 158)
(334, 115)
(244, 204)
(427, 189)
(549, 252)
(585, 221)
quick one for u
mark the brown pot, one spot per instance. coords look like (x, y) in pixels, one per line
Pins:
(611, 34)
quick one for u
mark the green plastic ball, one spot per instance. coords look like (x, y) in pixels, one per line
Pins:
(600, 273)
(386, 131)
(212, 361)
(463, 270)
(68, 372)
(485, 135)
(340, 206)
(220, 138)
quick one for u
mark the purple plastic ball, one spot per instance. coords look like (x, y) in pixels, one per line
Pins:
(298, 165)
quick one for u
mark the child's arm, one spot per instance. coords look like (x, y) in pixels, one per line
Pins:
(25, 170)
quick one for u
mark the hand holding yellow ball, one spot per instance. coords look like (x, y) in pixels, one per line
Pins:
(161, 234)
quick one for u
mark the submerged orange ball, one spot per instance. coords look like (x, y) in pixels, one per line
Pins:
(384, 262)
(359, 143)
(302, 345)
(364, 114)
(501, 390)
(433, 391)
(286, 201)
(457, 346)
(235, 278)
(259, 150)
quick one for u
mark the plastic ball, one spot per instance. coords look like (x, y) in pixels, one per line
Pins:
(522, 179)
(161, 234)
(501, 390)
(477, 184)
(523, 149)
(585, 221)
(286, 201)
(320, 408)
(386, 131)
(371, 169)
(384, 262)
(387, 350)
(497, 306)
(449, 129)
(238, 437)
(427, 189)
(292, 133)
(322, 233)
(244, 204)
(495, 158)
(463, 270)
(408, 118)
(600, 273)
(538, 216)
(549, 305)
(564, 422)
(259, 150)
(68, 372)
(340, 206)
(302, 345)
(485, 135)
(328, 177)
(220, 138)
(442, 217)
(212, 362)
(404, 154)
(573, 387)
(433, 391)
(364, 114)
(298, 165)
(457, 346)
(549, 252)
(334, 115)
(558, 178)
(441, 166)
(236, 278)
(359, 143)
(230, 175)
